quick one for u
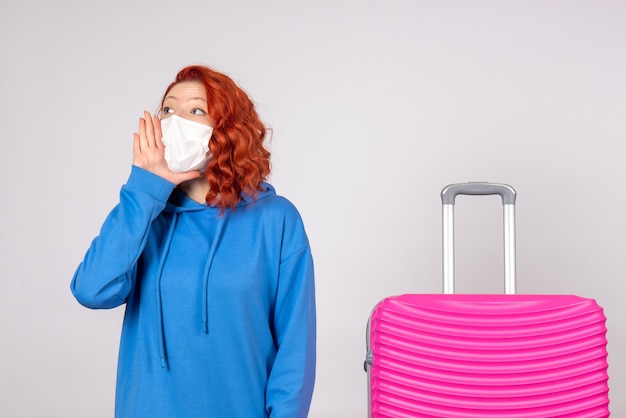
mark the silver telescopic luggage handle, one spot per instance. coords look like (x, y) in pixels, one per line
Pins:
(448, 196)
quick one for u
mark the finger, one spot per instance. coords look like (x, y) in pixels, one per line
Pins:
(149, 128)
(143, 142)
(136, 144)
(136, 150)
(157, 132)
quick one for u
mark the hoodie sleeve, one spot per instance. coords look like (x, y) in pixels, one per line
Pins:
(292, 377)
(105, 276)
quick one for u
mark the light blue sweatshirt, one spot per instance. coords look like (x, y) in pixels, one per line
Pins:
(220, 310)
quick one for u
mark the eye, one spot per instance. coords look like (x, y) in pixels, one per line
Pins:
(197, 111)
(167, 109)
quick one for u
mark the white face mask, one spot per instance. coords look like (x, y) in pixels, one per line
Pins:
(186, 144)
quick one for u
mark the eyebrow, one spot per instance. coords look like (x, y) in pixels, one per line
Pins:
(191, 98)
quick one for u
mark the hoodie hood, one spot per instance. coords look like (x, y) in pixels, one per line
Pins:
(178, 204)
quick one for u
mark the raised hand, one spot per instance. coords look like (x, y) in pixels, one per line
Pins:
(148, 151)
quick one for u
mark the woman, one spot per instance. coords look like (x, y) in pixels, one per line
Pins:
(215, 269)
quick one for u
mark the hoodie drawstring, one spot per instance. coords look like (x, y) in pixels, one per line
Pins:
(207, 269)
(159, 303)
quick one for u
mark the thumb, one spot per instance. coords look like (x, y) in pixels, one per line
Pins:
(188, 175)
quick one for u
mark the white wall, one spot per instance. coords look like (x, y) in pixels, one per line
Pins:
(375, 106)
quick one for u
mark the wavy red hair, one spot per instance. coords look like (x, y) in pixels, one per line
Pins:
(239, 160)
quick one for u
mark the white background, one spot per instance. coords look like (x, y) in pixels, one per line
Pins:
(375, 107)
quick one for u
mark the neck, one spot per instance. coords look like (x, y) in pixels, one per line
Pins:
(196, 189)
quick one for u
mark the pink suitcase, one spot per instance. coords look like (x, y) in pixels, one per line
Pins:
(480, 356)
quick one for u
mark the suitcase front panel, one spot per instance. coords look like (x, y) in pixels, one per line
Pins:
(478, 356)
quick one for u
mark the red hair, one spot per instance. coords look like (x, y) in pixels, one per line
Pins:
(239, 160)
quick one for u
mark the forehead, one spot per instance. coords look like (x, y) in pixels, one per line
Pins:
(187, 90)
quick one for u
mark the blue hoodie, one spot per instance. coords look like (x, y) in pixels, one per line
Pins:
(220, 309)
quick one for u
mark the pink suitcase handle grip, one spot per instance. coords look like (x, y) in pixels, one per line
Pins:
(448, 194)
